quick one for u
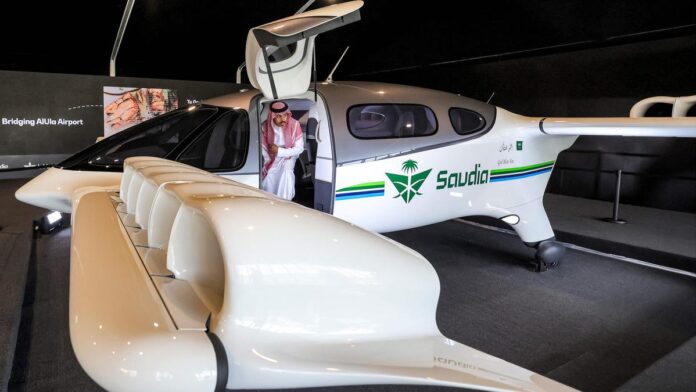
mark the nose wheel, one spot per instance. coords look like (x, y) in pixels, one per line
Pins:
(549, 254)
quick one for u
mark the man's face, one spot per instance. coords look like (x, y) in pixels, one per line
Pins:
(280, 119)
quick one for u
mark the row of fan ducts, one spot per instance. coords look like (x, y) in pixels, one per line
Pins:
(173, 240)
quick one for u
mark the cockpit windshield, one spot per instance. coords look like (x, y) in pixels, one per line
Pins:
(205, 136)
(153, 138)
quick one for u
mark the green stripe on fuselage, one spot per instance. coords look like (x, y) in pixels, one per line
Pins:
(363, 186)
(521, 169)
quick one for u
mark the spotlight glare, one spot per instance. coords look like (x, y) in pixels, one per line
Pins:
(49, 222)
(53, 217)
(511, 219)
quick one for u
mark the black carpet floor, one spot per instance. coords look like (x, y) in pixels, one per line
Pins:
(594, 324)
(652, 379)
(661, 236)
(45, 360)
(15, 251)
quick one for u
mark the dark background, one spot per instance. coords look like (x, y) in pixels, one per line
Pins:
(541, 58)
(204, 39)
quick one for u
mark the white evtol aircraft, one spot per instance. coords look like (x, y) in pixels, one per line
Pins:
(385, 157)
(176, 286)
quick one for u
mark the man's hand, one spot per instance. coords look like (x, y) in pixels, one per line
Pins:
(274, 149)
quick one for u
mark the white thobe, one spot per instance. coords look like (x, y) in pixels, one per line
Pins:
(280, 179)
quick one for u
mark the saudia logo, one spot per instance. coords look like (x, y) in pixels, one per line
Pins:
(406, 185)
(446, 179)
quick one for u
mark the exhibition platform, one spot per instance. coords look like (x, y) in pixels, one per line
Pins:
(596, 323)
(659, 236)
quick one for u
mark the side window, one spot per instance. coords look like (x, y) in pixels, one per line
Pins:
(465, 121)
(154, 138)
(382, 121)
(223, 145)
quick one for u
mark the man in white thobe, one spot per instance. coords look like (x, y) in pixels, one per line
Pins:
(281, 144)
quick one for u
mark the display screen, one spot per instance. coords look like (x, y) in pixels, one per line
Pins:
(128, 106)
(44, 118)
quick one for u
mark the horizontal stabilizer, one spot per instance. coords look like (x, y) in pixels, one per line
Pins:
(620, 126)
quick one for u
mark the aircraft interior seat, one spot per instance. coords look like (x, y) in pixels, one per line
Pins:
(263, 114)
(405, 125)
(236, 142)
(311, 144)
(375, 121)
(420, 121)
(308, 156)
(216, 145)
(367, 123)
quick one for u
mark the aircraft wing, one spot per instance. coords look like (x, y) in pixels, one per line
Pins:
(620, 126)
(213, 291)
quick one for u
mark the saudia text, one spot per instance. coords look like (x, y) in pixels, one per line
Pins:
(447, 179)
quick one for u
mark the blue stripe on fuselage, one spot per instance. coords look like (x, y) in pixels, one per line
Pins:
(359, 195)
(521, 175)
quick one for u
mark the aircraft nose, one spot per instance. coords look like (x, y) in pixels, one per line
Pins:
(54, 188)
(44, 191)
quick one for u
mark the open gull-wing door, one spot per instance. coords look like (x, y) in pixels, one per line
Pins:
(279, 54)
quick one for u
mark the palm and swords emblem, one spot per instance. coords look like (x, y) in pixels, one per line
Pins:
(408, 185)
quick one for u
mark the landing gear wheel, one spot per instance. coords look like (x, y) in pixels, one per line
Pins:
(548, 255)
